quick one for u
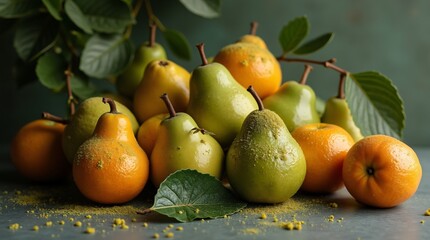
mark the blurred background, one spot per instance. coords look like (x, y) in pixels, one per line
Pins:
(391, 37)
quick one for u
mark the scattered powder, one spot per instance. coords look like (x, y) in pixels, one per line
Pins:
(289, 206)
(251, 231)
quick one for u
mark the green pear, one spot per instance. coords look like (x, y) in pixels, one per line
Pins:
(147, 52)
(295, 103)
(218, 103)
(320, 106)
(181, 144)
(84, 121)
(264, 163)
(337, 112)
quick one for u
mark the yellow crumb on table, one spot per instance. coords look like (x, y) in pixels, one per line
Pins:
(48, 223)
(263, 216)
(35, 228)
(14, 226)
(77, 224)
(90, 230)
(170, 235)
(156, 235)
(427, 212)
(333, 205)
(179, 229)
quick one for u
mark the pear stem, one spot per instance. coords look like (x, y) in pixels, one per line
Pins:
(169, 105)
(308, 69)
(256, 97)
(254, 26)
(48, 116)
(340, 90)
(112, 105)
(152, 30)
(201, 48)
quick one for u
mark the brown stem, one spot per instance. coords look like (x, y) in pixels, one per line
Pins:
(340, 90)
(308, 69)
(256, 97)
(136, 8)
(111, 103)
(254, 26)
(201, 48)
(71, 99)
(328, 64)
(169, 105)
(48, 116)
(153, 30)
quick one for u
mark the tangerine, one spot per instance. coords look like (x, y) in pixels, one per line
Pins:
(325, 147)
(381, 171)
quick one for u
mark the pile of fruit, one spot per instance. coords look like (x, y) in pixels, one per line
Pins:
(232, 118)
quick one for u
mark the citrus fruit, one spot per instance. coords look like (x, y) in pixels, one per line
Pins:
(36, 151)
(325, 147)
(381, 171)
(148, 132)
(250, 64)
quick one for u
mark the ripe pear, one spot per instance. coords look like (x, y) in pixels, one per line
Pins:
(295, 103)
(181, 144)
(161, 76)
(264, 163)
(213, 92)
(147, 52)
(84, 121)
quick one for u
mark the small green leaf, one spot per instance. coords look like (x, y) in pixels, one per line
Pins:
(106, 55)
(293, 33)
(50, 71)
(187, 194)
(54, 7)
(34, 36)
(18, 8)
(177, 43)
(109, 16)
(375, 104)
(314, 44)
(203, 8)
(82, 87)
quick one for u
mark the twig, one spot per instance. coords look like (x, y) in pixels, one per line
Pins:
(328, 64)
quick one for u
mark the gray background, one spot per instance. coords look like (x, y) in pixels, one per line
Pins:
(392, 37)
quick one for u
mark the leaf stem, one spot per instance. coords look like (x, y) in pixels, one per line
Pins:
(71, 100)
(327, 64)
(308, 69)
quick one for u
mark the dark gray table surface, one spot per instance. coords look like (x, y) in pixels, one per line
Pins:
(30, 204)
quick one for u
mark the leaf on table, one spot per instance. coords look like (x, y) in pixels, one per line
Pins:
(50, 71)
(203, 8)
(178, 43)
(314, 44)
(293, 33)
(54, 8)
(106, 55)
(375, 104)
(109, 16)
(18, 8)
(34, 36)
(187, 195)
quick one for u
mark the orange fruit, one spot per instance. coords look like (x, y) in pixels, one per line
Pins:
(252, 65)
(36, 151)
(325, 147)
(254, 39)
(148, 132)
(381, 171)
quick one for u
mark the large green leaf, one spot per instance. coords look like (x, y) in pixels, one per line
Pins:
(54, 7)
(293, 33)
(106, 55)
(375, 104)
(187, 194)
(178, 43)
(109, 16)
(203, 8)
(314, 44)
(50, 71)
(34, 36)
(18, 8)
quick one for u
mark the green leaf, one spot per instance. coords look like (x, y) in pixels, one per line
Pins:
(82, 87)
(50, 71)
(18, 8)
(54, 7)
(106, 55)
(203, 8)
(109, 16)
(293, 33)
(314, 44)
(34, 36)
(177, 43)
(375, 104)
(187, 194)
